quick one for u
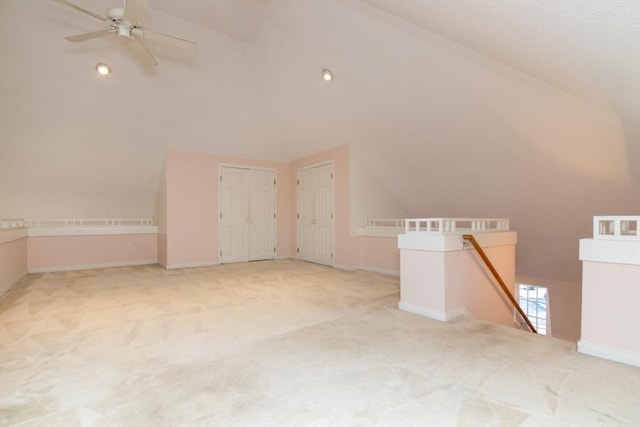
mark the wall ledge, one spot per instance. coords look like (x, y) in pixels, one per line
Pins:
(610, 251)
(605, 352)
(453, 241)
(380, 232)
(91, 230)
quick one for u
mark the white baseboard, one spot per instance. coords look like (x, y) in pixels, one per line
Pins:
(386, 272)
(346, 267)
(370, 269)
(191, 265)
(440, 315)
(609, 353)
(92, 266)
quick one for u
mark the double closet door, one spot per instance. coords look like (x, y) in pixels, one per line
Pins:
(315, 222)
(247, 214)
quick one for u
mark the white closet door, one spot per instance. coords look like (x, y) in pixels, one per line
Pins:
(305, 215)
(247, 214)
(324, 214)
(234, 215)
(315, 223)
(262, 217)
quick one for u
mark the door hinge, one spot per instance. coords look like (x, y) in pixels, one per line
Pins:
(332, 255)
(274, 182)
(298, 216)
(298, 181)
(298, 250)
(274, 249)
(220, 253)
(331, 175)
(220, 215)
(220, 178)
(274, 216)
(331, 215)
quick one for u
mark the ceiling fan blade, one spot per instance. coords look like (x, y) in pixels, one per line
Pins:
(139, 49)
(88, 36)
(163, 38)
(85, 11)
(134, 11)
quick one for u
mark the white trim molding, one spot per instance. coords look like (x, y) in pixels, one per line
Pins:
(453, 241)
(92, 266)
(605, 352)
(191, 265)
(441, 315)
(611, 251)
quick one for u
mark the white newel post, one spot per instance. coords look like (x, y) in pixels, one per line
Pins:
(442, 278)
(611, 290)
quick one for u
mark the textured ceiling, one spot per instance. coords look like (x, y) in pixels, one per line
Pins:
(525, 109)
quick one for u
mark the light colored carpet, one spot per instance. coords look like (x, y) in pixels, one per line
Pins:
(280, 343)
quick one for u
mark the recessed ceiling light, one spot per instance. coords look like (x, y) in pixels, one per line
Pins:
(327, 75)
(103, 69)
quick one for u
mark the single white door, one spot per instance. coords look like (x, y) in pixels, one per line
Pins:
(315, 225)
(234, 215)
(247, 214)
(262, 214)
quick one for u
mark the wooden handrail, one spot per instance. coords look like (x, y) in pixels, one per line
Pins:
(486, 260)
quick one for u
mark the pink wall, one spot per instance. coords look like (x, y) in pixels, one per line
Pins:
(160, 218)
(380, 254)
(13, 263)
(162, 249)
(611, 307)
(347, 247)
(445, 284)
(50, 253)
(192, 206)
(192, 211)
(422, 278)
(470, 284)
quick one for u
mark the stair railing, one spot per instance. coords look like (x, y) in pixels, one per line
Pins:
(485, 258)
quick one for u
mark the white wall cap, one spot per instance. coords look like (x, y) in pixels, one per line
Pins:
(92, 231)
(380, 232)
(612, 251)
(453, 241)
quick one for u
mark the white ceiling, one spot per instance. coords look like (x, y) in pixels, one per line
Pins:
(525, 109)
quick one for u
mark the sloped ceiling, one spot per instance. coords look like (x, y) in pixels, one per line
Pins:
(529, 110)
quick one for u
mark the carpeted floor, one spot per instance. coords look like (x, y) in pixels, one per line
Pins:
(280, 343)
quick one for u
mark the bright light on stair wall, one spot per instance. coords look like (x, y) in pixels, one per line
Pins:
(103, 69)
(327, 75)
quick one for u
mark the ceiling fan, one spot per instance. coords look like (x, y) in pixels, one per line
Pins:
(126, 23)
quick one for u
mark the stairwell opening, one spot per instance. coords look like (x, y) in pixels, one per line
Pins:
(534, 301)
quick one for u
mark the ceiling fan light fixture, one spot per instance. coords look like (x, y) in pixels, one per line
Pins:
(327, 75)
(103, 69)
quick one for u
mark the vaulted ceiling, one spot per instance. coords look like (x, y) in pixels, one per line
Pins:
(523, 109)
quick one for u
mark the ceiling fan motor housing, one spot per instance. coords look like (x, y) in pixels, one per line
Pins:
(124, 28)
(115, 14)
